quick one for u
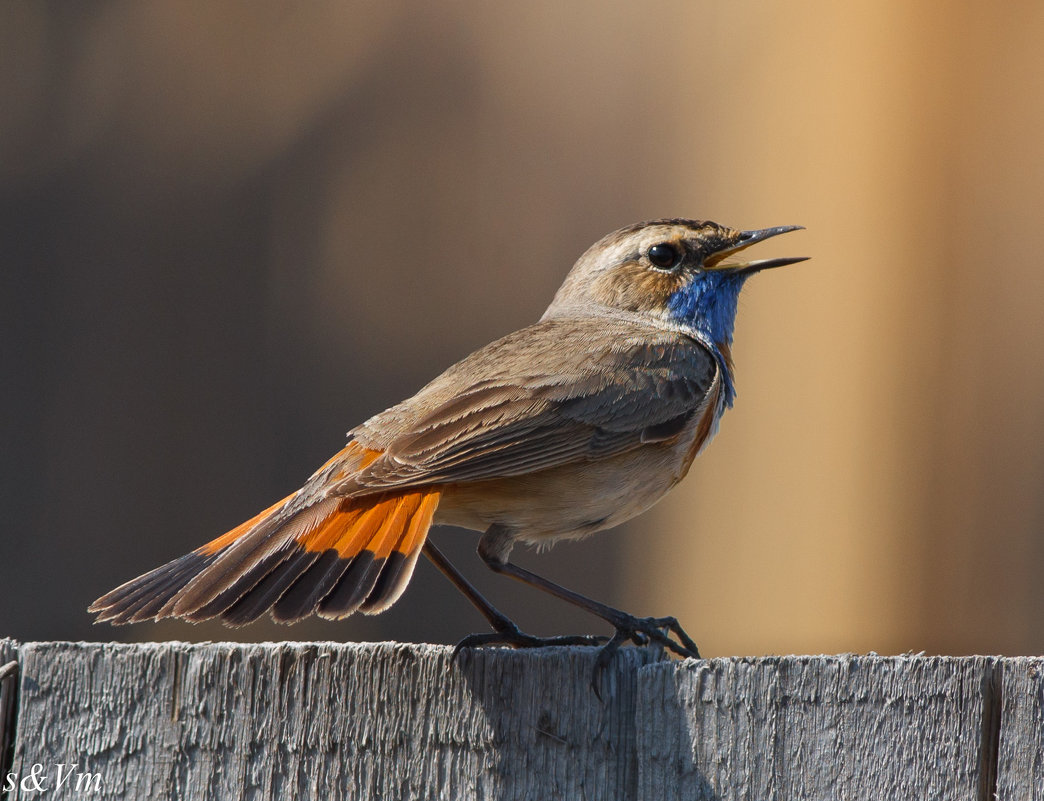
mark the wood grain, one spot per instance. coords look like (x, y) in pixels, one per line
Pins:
(329, 721)
(1020, 774)
(813, 728)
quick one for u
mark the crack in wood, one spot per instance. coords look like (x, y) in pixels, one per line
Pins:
(8, 719)
(989, 742)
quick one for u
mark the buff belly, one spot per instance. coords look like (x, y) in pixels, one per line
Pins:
(572, 501)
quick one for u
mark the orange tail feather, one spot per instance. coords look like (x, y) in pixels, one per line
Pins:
(332, 557)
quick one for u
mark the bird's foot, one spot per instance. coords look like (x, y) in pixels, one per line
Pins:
(642, 631)
(511, 636)
(646, 630)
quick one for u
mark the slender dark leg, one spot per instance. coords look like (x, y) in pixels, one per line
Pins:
(638, 629)
(504, 629)
(495, 547)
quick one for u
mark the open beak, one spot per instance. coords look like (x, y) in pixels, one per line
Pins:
(716, 261)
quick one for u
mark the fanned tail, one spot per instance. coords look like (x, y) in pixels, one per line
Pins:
(333, 557)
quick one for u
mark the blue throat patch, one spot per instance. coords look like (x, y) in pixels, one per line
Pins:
(707, 304)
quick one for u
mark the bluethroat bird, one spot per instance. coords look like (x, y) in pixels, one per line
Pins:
(566, 427)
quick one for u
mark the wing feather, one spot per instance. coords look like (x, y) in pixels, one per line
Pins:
(558, 392)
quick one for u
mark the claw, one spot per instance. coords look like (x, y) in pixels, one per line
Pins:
(605, 656)
(638, 637)
(672, 625)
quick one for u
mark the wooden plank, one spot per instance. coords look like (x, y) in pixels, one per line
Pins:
(328, 721)
(385, 721)
(1020, 773)
(8, 698)
(814, 728)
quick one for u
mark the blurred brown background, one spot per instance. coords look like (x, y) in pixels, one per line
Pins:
(230, 232)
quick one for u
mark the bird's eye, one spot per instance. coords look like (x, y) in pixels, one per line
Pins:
(665, 256)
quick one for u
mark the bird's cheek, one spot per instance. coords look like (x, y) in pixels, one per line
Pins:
(634, 288)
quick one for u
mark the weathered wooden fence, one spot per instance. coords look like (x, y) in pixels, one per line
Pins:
(329, 721)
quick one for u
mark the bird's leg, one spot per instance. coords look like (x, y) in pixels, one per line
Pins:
(638, 629)
(494, 547)
(505, 631)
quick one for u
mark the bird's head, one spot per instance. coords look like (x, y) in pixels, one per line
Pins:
(674, 271)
